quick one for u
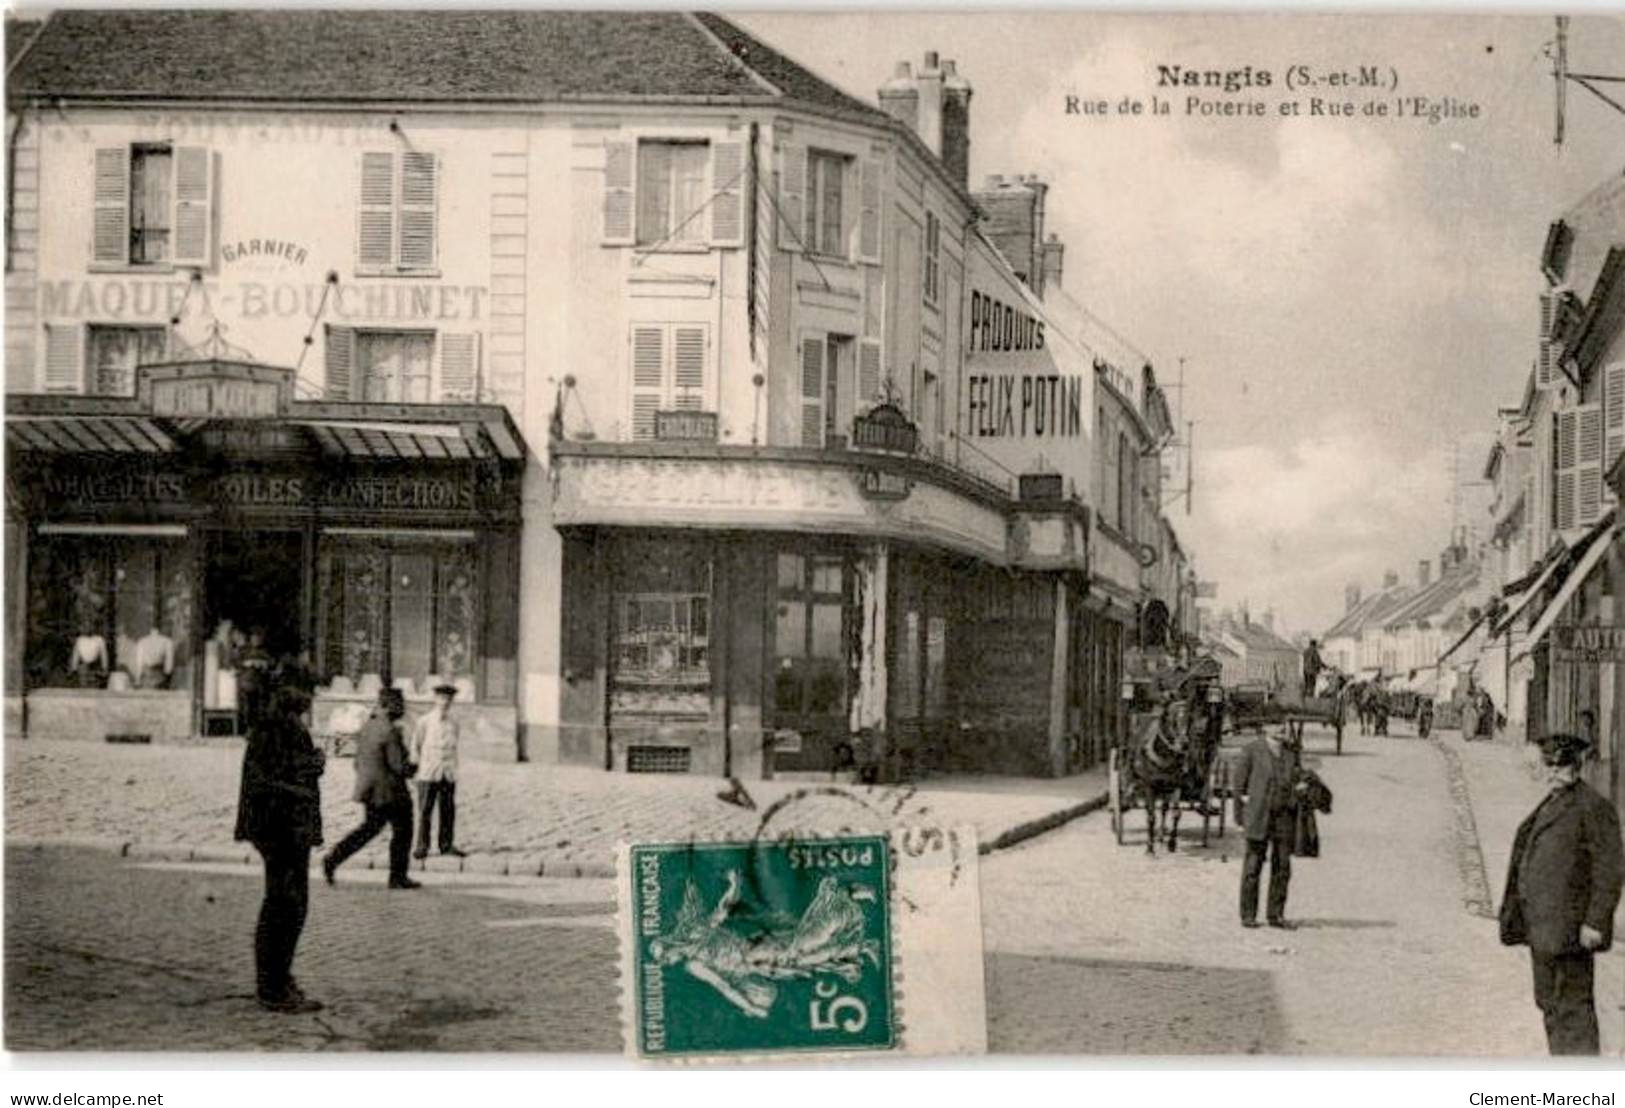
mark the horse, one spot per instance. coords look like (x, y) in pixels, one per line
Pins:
(1167, 764)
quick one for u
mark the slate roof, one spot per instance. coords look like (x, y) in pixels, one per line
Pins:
(1368, 612)
(1439, 597)
(1255, 636)
(414, 56)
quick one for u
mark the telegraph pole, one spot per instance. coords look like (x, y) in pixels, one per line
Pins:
(1560, 72)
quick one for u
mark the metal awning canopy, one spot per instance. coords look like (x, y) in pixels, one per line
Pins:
(177, 400)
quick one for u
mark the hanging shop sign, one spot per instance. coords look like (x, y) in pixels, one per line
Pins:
(880, 484)
(215, 390)
(885, 427)
(1596, 642)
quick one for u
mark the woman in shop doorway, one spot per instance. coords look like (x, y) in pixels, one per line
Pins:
(279, 811)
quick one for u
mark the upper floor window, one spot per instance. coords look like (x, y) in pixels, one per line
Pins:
(826, 177)
(115, 352)
(401, 366)
(397, 212)
(933, 258)
(671, 193)
(152, 205)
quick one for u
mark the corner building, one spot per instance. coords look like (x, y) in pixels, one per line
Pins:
(752, 456)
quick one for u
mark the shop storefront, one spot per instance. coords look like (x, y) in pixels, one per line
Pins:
(164, 546)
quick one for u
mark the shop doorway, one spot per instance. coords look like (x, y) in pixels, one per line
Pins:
(255, 579)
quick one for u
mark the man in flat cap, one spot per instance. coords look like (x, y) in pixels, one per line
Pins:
(381, 774)
(1563, 885)
(434, 749)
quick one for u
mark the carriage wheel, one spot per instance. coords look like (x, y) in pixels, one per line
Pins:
(1114, 795)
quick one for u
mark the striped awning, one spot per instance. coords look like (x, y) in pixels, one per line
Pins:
(392, 440)
(1571, 584)
(76, 434)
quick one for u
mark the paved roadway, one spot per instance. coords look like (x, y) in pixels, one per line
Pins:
(1091, 948)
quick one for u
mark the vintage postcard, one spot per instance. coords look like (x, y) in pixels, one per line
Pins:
(775, 537)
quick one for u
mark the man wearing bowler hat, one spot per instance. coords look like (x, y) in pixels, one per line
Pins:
(381, 773)
(434, 749)
(1563, 885)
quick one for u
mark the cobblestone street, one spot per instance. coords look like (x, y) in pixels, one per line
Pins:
(1091, 947)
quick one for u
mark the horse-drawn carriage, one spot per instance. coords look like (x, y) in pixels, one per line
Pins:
(1172, 756)
(1257, 707)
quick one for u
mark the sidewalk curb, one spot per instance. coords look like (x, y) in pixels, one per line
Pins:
(1475, 884)
(1021, 832)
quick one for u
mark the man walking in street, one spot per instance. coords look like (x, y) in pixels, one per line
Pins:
(1265, 808)
(434, 749)
(1563, 884)
(1312, 665)
(381, 773)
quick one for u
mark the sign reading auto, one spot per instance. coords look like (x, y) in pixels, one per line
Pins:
(1016, 404)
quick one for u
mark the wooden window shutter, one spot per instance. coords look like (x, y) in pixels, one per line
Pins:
(812, 390)
(111, 242)
(792, 185)
(420, 176)
(869, 212)
(727, 193)
(340, 348)
(460, 366)
(648, 378)
(620, 196)
(64, 348)
(1564, 469)
(688, 368)
(1588, 465)
(375, 221)
(1546, 363)
(194, 199)
(868, 372)
(1613, 401)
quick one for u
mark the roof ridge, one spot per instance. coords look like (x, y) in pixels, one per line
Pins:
(711, 36)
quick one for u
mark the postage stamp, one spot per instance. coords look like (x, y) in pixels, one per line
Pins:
(795, 946)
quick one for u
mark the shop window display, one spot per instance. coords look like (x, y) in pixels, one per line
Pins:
(661, 651)
(110, 612)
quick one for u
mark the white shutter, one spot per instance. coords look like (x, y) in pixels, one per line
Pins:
(375, 220)
(1546, 364)
(727, 193)
(688, 368)
(420, 174)
(812, 391)
(620, 195)
(340, 353)
(869, 212)
(111, 240)
(1613, 401)
(194, 198)
(868, 372)
(1588, 466)
(792, 186)
(64, 346)
(460, 366)
(1564, 468)
(648, 377)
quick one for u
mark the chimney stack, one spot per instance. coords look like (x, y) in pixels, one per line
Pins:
(1424, 572)
(935, 104)
(1390, 579)
(1054, 250)
(1351, 596)
(1269, 620)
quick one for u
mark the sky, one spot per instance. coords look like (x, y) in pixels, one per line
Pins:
(1353, 298)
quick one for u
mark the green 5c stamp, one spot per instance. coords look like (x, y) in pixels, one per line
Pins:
(760, 947)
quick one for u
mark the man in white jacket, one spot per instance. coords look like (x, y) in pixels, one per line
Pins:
(434, 749)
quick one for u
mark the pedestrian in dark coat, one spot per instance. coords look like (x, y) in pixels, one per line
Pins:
(381, 774)
(279, 811)
(1563, 885)
(1266, 810)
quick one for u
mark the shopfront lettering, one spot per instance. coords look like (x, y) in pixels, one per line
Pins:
(402, 493)
(276, 249)
(999, 327)
(114, 486)
(161, 300)
(253, 490)
(1589, 643)
(219, 398)
(1027, 405)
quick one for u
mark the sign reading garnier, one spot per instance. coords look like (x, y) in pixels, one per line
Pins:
(1598, 642)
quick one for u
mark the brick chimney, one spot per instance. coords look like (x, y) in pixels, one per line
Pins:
(1390, 580)
(1014, 209)
(1424, 573)
(935, 104)
(1054, 249)
(1269, 620)
(1351, 596)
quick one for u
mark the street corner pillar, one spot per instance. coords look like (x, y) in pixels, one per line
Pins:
(869, 699)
